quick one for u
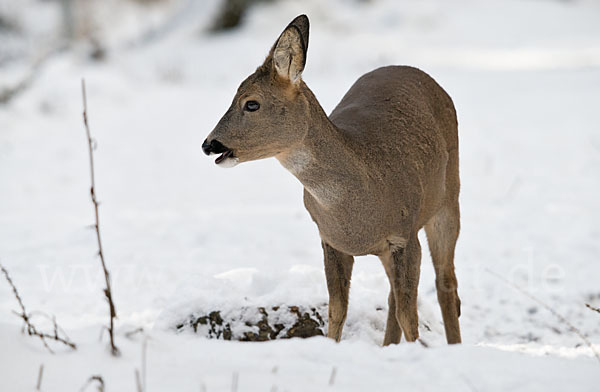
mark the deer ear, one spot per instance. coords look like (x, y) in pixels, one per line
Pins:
(289, 52)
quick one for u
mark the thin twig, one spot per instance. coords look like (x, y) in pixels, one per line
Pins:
(92, 379)
(107, 290)
(15, 292)
(144, 349)
(29, 327)
(138, 383)
(332, 376)
(132, 333)
(38, 386)
(593, 308)
(550, 309)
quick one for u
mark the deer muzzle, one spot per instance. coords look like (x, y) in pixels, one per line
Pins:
(216, 147)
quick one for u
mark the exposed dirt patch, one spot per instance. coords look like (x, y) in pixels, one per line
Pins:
(261, 324)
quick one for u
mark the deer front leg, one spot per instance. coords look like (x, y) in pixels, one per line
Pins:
(403, 269)
(338, 270)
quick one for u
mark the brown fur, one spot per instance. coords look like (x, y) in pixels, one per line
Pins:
(382, 166)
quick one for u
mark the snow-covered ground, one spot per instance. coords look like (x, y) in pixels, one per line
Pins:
(182, 235)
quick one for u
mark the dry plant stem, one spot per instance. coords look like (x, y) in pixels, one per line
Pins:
(144, 350)
(38, 386)
(138, 383)
(332, 376)
(131, 334)
(547, 307)
(31, 329)
(592, 308)
(97, 379)
(107, 290)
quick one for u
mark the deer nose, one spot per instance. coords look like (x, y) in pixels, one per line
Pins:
(214, 147)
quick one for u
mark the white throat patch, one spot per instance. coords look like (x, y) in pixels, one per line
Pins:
(297, 161)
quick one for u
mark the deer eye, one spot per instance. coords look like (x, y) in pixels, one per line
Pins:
(251, 106)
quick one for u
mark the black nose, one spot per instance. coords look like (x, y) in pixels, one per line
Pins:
(214, 147)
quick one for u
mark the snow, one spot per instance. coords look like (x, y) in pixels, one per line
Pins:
(187, 363)
(183, 236)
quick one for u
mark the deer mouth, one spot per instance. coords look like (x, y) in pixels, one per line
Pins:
(227, 159)
(221, 158)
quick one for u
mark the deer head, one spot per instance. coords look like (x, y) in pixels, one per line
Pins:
(269, 113)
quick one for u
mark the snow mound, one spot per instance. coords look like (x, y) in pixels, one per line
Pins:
(248, 304)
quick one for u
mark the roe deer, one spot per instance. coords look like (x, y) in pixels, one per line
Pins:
(383, 165)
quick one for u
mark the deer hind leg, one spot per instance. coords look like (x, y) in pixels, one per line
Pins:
(442, 233)
(393, 332)
(338, 271)
(403, 267)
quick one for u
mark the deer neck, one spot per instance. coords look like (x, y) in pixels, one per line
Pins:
(322, 160)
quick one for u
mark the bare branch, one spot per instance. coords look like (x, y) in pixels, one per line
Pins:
(550, 309)
(593, 308)
(107, 290)
(30, 328)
